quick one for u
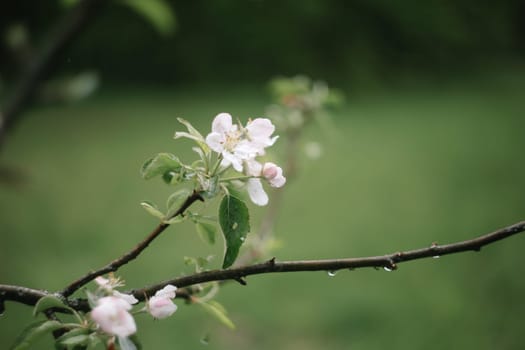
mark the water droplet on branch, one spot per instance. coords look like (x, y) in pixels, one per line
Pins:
(332, 273)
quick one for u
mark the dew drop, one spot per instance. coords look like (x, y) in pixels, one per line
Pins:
(205, 340)
(235, 225)
(436, 257)
(386, 268)
(242, 239)
(332, 273)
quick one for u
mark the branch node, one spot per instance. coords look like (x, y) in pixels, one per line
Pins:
(271, 262)
(241, 281)
(390, 266)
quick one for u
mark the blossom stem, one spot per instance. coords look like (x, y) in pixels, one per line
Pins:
(233, 178)
(216, 166)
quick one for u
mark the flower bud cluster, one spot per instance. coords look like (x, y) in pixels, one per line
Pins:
(112, 309)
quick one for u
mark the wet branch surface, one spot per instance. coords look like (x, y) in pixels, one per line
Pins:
(389, 261)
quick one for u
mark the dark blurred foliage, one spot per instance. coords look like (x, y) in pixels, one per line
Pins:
(230, 40)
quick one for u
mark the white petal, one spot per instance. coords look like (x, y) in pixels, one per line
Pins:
(161, 307)
(233, 160)
(167, 291)
(253, 168)
(278, 181)
(215, 141)
(256, 192)
(222, 123)
(260, 128)
(127, 297)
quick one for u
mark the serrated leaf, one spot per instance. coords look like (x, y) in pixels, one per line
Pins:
(176, 199)
(48, 302)
(152, 209)
(237, 192)
(93, 341)
(71, 338)
(207, 232)
(234, 220)
(72, 342)
(193, 134)
(157, 12)
(171, 177)
(33, 332)
(159, 165)
(219, 312)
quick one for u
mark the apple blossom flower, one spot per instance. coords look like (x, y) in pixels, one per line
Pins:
(160, 305)
(111, 314)
(225, 138)
(237, 144)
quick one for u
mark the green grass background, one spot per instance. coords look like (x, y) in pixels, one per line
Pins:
(400, 169)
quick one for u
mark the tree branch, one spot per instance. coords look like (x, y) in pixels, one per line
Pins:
(132, 254)
(40, 67)
(388, 261)
(30, 296)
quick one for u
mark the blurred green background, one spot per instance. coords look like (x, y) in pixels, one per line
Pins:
(428, 147)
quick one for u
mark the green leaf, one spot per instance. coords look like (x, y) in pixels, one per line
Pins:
(219, 312)
(237, 192)
(152, 209)
(157, 12)
(234, 219)
(207, 232)
(93, 341)
(177, 199)
(159, 165)
(33, 332)
(72, 342)
(193, 134)
(49, 302)
(77, 336)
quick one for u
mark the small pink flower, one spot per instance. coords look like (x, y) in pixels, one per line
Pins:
(274, 174)
(111, 314)
(160, 305)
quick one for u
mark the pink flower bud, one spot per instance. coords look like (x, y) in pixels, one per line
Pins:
(160, 305)
(274, 174)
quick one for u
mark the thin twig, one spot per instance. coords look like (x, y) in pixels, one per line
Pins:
(132, 254)
(390, 261)
(66, 30)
